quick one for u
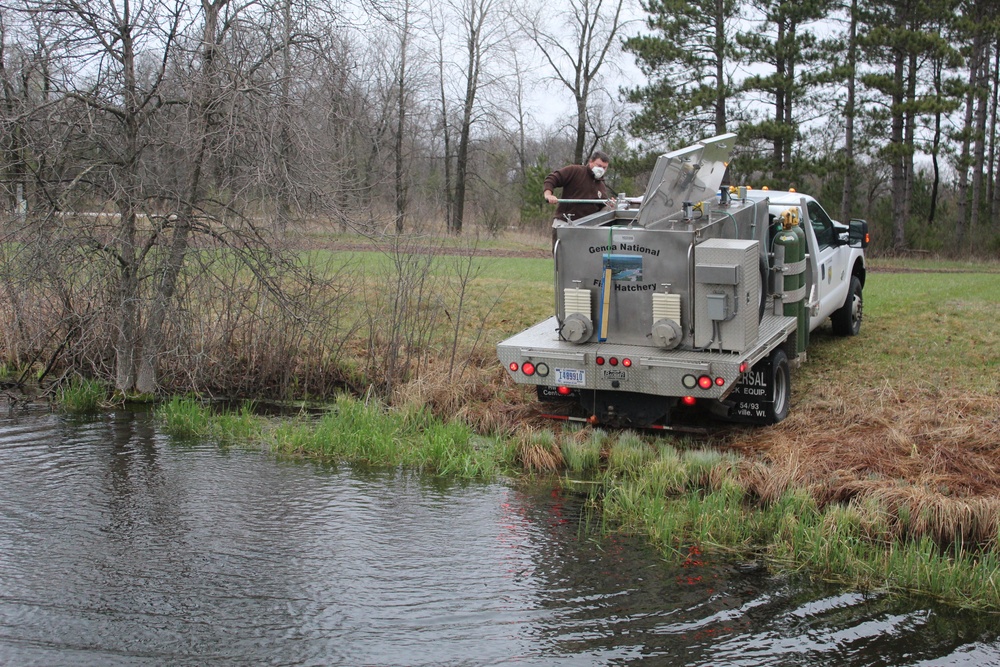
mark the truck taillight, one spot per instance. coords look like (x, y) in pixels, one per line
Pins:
(599, 361)
(528, 368)
(513, 367)
(564, 391)
(743, 367)
(626, 362)
(720, 381)
(705, 382)
(688, 400)
(613, 361)
(542, 369)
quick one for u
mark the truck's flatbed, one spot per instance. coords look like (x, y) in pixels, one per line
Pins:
(651, 370)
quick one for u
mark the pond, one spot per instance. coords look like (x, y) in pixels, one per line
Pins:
(121, 546)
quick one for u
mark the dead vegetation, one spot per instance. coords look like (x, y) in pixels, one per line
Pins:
(920, 463)
(930, 461)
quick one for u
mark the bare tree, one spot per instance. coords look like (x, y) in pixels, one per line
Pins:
(121, 90)
(205, 98)
(578, 49)
(480, 32)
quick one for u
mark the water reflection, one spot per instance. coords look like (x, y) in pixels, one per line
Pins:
(121, 547)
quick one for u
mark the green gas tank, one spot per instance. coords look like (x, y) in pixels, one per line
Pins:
(792, 239)
(803, 328)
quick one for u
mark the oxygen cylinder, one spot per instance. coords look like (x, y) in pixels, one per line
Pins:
(803, 328)
(792, 243)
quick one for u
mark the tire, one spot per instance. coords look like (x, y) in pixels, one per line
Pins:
(772, 371)
(847, 319)
(762, 305)
(780, 378)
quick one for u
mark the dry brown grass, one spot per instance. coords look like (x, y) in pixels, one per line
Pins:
(478, 394)
(538, 451)
(930, 460)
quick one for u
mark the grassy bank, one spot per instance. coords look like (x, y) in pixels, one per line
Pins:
(369, 433)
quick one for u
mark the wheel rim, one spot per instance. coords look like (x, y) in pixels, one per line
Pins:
(780, 390)
(856, 308)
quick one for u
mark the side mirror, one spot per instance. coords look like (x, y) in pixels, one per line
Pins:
(857, 235)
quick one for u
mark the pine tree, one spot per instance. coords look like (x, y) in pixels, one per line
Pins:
(785, 42)
(688, 61)
(900, 38)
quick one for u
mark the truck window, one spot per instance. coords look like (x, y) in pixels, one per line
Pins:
(822, 225)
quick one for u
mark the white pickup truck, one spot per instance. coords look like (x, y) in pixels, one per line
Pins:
(701, 295)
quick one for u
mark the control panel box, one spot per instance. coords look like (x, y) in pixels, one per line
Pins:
(727, 294)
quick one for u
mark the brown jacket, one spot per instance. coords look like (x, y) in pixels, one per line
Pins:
(577, 182)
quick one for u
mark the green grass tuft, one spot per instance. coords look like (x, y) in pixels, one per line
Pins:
(184, 417)
(583, 453)
(82, 396)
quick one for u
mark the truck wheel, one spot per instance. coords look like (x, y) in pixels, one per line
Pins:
(781, 382)
(764, 291)
(847, 319)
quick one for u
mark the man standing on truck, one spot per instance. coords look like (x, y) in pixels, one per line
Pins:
(578, 181)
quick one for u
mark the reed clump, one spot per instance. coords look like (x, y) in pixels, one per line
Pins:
(82, 396)
(582, 451)
(538, 451)
(866, 542)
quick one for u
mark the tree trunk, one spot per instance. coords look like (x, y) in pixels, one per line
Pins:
(401, 122)
(128, 302)
(962, 188)
(581, 129)
(474, 45)
(779, 102)
(461, 168)
(127, 194)
(909, 137)
(285, 150)
(936, 143)
(898, 158)
(788, 85)
(152, 344)
(720, 67)
(979, 150)
(449, 213)
(847, 194)
(994, 173)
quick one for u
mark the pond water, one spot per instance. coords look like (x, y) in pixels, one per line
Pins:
(121, 546)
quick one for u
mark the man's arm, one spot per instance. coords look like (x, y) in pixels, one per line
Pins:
(556, 179)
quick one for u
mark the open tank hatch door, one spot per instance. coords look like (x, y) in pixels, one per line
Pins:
(690, 174)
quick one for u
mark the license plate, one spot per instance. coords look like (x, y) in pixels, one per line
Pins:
(571, 377)
(615, 374)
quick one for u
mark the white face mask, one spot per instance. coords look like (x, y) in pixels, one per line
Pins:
(597, 171)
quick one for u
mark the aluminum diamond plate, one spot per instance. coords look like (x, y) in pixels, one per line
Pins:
(653, 371)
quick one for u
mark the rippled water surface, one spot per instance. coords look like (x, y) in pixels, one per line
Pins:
(119, 546)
